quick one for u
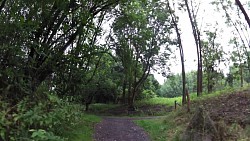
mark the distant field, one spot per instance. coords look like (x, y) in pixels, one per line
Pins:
(193, 97)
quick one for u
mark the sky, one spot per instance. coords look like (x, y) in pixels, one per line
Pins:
(210, 17)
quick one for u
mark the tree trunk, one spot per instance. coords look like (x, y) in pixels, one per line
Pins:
(124, 91)
(241, 75)
(196, 35)
(243, 11)
(184, 100)
(88, 101)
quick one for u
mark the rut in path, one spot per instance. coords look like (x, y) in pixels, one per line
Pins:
(119, 129)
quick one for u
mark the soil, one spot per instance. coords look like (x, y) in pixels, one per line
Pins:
(119, 129)
(232, 108)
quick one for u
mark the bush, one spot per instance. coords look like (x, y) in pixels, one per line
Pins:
(146, 94)
(43, 120)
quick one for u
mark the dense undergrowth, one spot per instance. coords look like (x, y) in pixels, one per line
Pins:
(47, 119)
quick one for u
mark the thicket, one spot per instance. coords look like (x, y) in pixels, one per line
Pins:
(46, 118)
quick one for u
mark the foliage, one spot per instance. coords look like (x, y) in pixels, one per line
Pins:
(172, 86)
(139, 31)
(212, 58)
(46, 120)
(47, 39)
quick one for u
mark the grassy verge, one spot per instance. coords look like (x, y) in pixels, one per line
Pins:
(83, 130)
(168, 128)
(155, 128)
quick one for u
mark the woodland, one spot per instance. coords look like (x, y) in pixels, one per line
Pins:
(65, 62)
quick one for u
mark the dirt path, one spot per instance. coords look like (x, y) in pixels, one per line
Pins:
(119, 129)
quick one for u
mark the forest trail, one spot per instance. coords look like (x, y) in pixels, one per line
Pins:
(119, 129)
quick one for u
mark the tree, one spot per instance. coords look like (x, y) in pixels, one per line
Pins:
(179, 44)
(243, 11)
(237, 58)
(171, 87)
(234, 19)
(212, 56)
(196, 33)
(140, 29)
(37, 35)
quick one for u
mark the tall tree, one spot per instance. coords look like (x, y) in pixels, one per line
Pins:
(196, 33)
(179, 44)
(212, 57)
(140, 29)
(234, 19)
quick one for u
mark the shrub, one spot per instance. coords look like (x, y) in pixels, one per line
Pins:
(43, 120)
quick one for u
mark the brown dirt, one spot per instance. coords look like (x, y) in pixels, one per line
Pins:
(233, 108)
(119, 129)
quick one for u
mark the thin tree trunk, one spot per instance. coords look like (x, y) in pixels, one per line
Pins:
(184, 100)
(241, 75)
(124, 91)
(196, 35)
(243, 11)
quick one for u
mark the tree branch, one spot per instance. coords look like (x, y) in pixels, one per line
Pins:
(243, 11)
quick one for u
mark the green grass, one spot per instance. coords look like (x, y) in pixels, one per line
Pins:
(159, 101)
(167, 128)
(83, 130)
(193, 97)
(155, 128)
